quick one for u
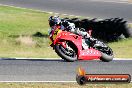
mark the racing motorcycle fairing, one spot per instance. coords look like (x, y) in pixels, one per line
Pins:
(83, 54)
(68, 36)
(72, 47)
(89, 54)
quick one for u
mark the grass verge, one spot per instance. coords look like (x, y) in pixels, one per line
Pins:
(60, 85)
(122, 49)
(17, 33)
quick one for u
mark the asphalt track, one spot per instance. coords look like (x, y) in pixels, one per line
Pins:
(89, 8)
(43, 70)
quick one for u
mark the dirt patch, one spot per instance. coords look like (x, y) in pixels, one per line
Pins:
(25, 40)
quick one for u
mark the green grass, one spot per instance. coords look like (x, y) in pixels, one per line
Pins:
(62, 85)
(16, 22)
(17, 27)
(19, 21)
(122, 48)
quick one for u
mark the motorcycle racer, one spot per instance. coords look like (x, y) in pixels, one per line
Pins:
(68, 26)
(71, 47)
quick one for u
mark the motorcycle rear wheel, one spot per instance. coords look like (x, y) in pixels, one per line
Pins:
(106, 52)
(105, 57)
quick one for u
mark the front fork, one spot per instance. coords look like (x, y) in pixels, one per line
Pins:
(63, 44)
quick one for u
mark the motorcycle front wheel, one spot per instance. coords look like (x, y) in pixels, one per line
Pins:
(68, 54)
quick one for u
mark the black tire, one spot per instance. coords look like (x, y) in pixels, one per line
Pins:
(106, 51)
(58, 50)
(106, 58)
(127, 32)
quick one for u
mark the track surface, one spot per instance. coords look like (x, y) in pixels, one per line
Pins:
(57, 70)
(90, 8)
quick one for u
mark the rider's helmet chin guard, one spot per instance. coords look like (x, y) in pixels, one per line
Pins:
(54, 20)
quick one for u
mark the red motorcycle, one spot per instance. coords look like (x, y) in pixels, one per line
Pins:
(72, 47)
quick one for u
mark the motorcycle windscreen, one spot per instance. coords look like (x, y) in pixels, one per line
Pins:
(89, 54)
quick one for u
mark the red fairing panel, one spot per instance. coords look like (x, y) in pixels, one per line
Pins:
(89, 54)
(76, 39)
